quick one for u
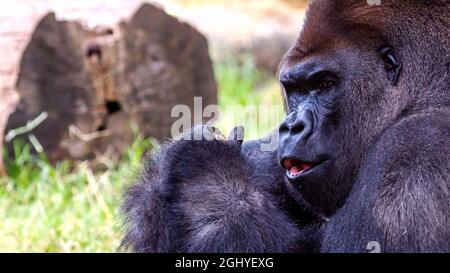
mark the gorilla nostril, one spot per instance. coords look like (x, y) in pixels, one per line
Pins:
(283, 128)
(297, 128)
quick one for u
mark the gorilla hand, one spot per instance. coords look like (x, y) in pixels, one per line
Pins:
(205, 196)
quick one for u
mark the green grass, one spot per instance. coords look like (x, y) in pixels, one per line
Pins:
(248, 97)
(65, 208)
(71, 208)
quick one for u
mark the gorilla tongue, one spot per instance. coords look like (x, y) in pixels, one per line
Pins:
(296, 168)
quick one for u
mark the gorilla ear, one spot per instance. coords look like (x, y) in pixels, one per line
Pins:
(237, 134)
(392, 64)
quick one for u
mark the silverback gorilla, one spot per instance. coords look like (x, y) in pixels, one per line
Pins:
(364, 154)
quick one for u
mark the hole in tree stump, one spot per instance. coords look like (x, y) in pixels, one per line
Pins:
(113, 106)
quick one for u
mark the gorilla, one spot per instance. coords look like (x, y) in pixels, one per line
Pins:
(363, 156)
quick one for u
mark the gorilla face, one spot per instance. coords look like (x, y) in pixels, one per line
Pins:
(306, 150)
(338, 81)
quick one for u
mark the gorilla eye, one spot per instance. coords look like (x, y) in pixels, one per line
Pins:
(326, 84)
(392, 64)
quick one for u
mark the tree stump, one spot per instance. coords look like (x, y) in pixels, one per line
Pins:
(84, 88)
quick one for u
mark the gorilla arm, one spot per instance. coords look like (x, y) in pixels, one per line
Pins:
(213, 196)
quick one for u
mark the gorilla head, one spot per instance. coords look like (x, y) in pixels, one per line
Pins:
(355, 69)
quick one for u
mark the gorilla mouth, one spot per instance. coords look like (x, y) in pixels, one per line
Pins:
(295, 168)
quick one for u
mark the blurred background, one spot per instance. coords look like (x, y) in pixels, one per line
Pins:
(87, 88)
